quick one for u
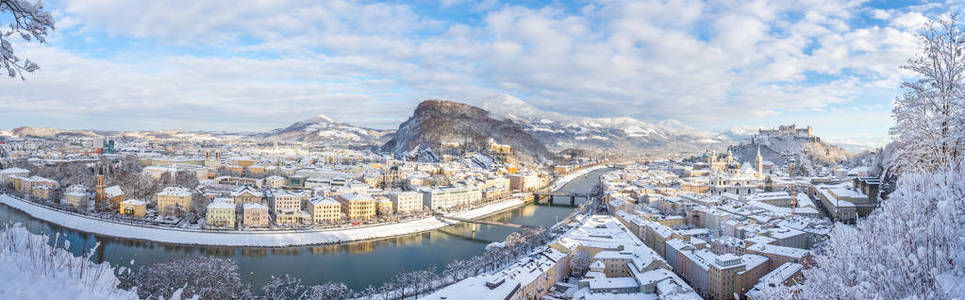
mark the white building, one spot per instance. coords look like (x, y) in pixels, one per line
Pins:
(275, 181)
(445, 198)
(156, 171)
(6, 173)
(406, 202)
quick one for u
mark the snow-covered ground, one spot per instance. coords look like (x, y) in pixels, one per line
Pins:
(241, 238)
(34, 270)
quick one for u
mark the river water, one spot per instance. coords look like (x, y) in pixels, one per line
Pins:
(357, 264)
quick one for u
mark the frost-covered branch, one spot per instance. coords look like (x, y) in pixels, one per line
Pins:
(930, 115)
(30, 22)
(912, 247)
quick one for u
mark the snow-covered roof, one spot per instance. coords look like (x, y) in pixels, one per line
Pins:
(324, 201)
(175, 191)
(781, 273)
(41, 179)
(221, 205)
(245, 190)
(14, 170)
(779, 250)
(351, 197)
(133, 202)
(248, 206)
(113, 191)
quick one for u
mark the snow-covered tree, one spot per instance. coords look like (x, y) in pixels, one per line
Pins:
(284, 287)
(912, 247)
(28, 22)
(186, 179)
(929, 116)
(203, 276)
(405, 282)
(581, 261)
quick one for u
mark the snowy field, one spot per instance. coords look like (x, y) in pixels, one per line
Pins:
(254, 239)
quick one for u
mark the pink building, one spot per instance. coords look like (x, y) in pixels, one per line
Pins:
(254, 215)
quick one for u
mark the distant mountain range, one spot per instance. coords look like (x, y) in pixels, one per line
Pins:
(504, 118)
(621, 134)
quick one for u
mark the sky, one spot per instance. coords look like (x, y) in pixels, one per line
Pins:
(260, 65)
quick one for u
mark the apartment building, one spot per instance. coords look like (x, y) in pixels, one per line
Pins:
(171, 201)
(284, 199)
(406, 202)
(357, 206)
(254, 214)
(324, 210)
(221, 213)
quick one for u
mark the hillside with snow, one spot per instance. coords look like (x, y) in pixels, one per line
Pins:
(328, 130)
(615, 134)
(439, 126)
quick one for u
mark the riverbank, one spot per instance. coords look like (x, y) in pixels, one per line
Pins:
(262, 238)
(242, 238)
(559, 183)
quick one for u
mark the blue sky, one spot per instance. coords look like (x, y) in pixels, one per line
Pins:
(258, 65)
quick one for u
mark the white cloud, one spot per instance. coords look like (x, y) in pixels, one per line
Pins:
(703, 63)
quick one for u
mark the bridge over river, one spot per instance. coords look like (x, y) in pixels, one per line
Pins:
(550, 197)
(487, 222)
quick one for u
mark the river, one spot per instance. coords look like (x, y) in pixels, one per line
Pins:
(357, 264)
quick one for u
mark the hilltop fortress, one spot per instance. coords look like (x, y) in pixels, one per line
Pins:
(786, 143)
(785, 132)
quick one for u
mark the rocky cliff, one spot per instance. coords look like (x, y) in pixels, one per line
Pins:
(445, 127)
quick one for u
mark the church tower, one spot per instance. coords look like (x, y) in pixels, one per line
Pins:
(99, 189)
(760, 163)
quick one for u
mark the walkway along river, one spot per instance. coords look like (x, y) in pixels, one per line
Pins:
(356, 264)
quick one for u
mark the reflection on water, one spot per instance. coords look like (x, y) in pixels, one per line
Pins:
(357, 264)
(527, 211)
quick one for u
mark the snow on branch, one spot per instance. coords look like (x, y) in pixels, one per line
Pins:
(30, 22)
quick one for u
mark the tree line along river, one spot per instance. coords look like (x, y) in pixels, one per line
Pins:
(356, 264)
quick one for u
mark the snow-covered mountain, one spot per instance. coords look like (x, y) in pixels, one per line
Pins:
(49, 132)
(445, 127)
(560, 131)
(326, 129)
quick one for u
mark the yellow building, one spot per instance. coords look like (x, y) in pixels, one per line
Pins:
(174, 201)
(357, 206)
(722, 276)
(221, 213)
(41, 192)
(324, 209)
(383, 206)
(290, 216)
(133, 207)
